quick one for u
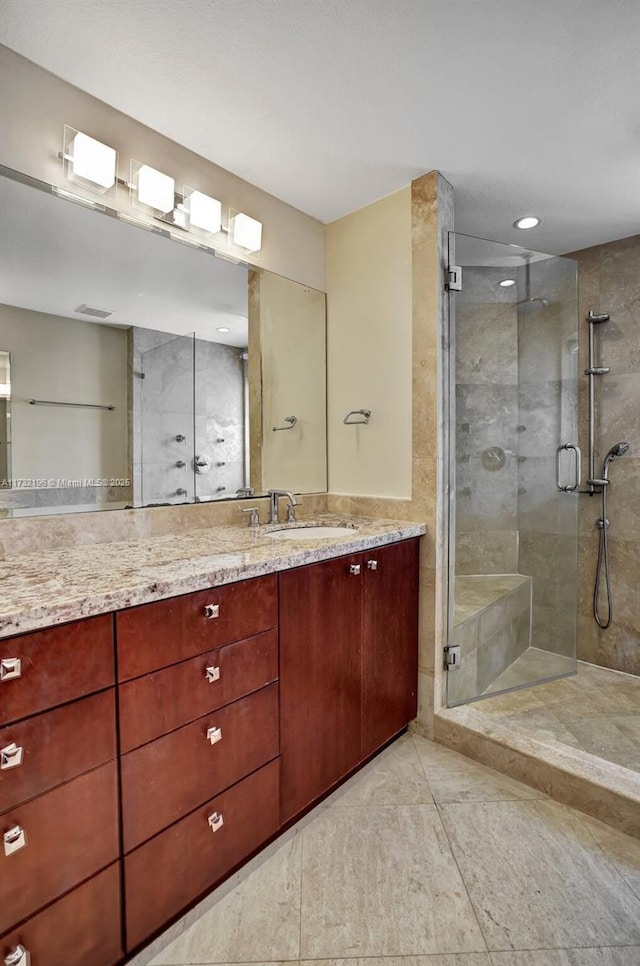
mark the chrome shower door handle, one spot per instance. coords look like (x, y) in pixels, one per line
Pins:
(569, 487)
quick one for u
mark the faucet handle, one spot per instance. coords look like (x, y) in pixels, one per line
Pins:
(291, 512)
(254, 516)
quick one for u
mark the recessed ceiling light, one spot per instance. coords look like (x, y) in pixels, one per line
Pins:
(507, 282)
(527, 221)
(224, 328)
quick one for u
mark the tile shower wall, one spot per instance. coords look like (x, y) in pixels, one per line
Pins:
(202, 400)
(486, 418)
(609, 277)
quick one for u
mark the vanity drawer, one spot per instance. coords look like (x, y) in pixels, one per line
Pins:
(160, 702)
(169, 777)
(81, 929)
(199, 850)
(50, 667)
(70, 833)
(167, 631)
(56, 746)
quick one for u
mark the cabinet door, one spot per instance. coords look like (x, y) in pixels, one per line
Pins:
(389, 642)
(320, 678)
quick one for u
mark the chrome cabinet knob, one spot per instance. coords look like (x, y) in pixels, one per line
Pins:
(354, 569)
(11, 756)
(18, 957)
(372, 564)
(10, 668)
(211, 611)
(212, 674)
(216, 821)
(214, 735)
(14, 840)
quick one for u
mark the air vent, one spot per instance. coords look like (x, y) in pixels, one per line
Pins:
(95, 313)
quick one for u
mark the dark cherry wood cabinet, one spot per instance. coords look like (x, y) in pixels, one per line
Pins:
(47, 749)
(171, 870)
(81, 929)
(348, 665)
(320, 675)
(47, 668)
(61, 838)
(157, 703)
(161, 634)
(160, 747)
(169, 777)
(389, 642)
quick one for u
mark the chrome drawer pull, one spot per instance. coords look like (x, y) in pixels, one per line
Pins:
(11, 756)
(212, 674)
(216, 821)
(214, 735)
(372, 564)
(14, 840)
(18, 957)
(354, 569)
(211, 611)
(10, 668)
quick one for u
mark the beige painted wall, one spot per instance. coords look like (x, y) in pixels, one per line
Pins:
(369, 348)
(34, 107)
(73, 361)
(294, 377)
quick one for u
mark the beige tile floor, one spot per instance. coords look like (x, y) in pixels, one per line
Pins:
(596, 711)
(429, 859)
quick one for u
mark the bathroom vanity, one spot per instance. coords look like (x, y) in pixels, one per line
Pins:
(153, 739)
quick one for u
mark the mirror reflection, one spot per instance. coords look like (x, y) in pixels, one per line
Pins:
(140, 366)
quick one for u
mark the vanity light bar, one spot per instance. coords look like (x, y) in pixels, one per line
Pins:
(94, 164)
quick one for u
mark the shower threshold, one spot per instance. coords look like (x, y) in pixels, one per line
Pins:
(576, 738)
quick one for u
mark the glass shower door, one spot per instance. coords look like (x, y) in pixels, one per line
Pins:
(514, 469)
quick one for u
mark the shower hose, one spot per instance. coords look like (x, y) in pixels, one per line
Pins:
(603, 567)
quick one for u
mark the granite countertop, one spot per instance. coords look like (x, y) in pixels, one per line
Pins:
(54, 586)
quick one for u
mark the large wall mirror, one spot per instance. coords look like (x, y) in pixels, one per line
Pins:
(137, 371)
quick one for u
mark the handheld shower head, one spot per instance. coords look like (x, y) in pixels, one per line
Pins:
(614, 453)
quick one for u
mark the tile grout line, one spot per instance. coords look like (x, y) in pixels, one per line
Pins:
(462, 879)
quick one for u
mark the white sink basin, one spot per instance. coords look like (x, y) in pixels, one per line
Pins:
(310, 533)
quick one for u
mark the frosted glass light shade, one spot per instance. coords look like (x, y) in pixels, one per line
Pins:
(246, 232)
(93, 161)
(205, 213)
(155, 189)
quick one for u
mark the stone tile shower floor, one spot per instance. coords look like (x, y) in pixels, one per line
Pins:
(427, 859)
(596, 711)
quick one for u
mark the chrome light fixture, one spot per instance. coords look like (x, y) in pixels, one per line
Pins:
(245, 232)
(151, 189)
(89, 162)
(204, 213)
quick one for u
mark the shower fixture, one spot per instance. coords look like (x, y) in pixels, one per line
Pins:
(592, 371)
(528, 301)
(603, 541)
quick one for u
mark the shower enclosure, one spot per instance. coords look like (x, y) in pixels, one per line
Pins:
(514, 469)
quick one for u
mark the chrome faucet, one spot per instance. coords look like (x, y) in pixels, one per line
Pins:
(291, 510)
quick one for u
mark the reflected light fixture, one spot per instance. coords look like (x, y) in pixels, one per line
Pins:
(204, 213)
(245, 232)
(507, 282)
(89, 161)
(153, 188)
(527, 221)
(223, 328)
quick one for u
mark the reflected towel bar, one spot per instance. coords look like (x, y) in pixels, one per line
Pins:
(51, 402)
(357, 422)
(292, 420)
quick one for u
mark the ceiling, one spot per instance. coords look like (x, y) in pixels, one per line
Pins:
(56, 256)
(524, 105)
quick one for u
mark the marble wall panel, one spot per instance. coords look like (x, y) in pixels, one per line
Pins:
(610, 282)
